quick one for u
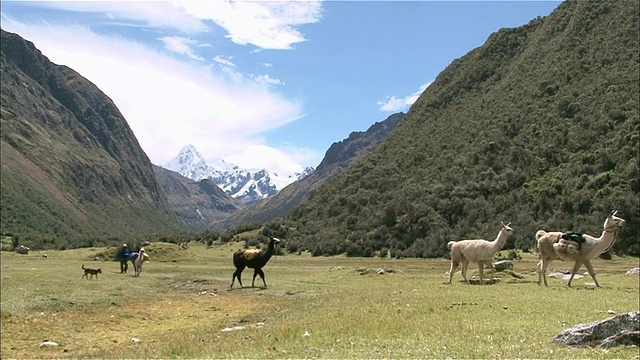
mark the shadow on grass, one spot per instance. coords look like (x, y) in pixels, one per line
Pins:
(247, 288)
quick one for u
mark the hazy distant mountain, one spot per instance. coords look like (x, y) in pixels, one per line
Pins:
(71, 165)
(197, 204)
(247, 186)
(339, 157)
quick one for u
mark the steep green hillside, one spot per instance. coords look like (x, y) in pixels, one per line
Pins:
(539, 126)
(71, 166)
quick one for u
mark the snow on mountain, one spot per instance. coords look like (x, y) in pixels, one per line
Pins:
(246, 185)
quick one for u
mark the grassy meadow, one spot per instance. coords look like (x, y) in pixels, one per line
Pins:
(181, 305)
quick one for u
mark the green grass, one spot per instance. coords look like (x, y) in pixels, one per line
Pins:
(180, 304)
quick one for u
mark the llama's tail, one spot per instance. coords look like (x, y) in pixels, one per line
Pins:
(82, 266)
(540, 233)
(450, 244)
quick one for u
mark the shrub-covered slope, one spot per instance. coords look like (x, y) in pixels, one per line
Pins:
(539, 126)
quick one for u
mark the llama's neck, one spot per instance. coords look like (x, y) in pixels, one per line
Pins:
(269, 252)
(601, 244)
(500, 240)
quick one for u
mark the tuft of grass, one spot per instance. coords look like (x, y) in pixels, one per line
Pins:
(179, 310)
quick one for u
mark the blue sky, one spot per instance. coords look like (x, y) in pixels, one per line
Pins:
(260, 84)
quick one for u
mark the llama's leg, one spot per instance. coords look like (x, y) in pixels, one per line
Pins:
(481, 270)
(540, 272)
(543, 271)
(256, 272)
(465, 264)
(454, 266)
(261, 273)
(575, 269)
(489, 264)
(237, 274)
(587, 264)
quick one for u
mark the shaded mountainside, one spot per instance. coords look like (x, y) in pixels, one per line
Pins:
(339, 157)
(70, 163)
(539, 126)
(197, 204)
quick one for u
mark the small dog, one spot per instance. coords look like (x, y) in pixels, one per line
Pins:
(89, 273)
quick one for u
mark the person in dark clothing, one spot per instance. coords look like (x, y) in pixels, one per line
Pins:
(123, 257)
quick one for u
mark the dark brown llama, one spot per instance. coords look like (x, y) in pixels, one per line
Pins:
(253, 259)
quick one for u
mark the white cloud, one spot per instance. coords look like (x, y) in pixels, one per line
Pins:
(181, 45)
(260, 156)
(266, 79)
(395, 103)
(224, 61)
(148, 13)
(265, 24)
(167, 103)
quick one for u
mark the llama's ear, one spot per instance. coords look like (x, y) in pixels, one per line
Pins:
(613, 213)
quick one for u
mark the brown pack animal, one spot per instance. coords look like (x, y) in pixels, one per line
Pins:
(88, 272)
(254, 260)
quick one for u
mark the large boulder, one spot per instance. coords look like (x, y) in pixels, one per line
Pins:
(623, 329)
(22, 250)
(503, 265)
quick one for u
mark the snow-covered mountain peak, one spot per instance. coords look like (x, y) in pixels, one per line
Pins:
(246, 185)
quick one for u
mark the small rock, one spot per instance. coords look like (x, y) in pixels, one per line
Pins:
(634, 271)
(235, 328)
(610, 312)
(564, 276)
(135, 340)
(380, 271)
(306, 334)
(48, 343)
